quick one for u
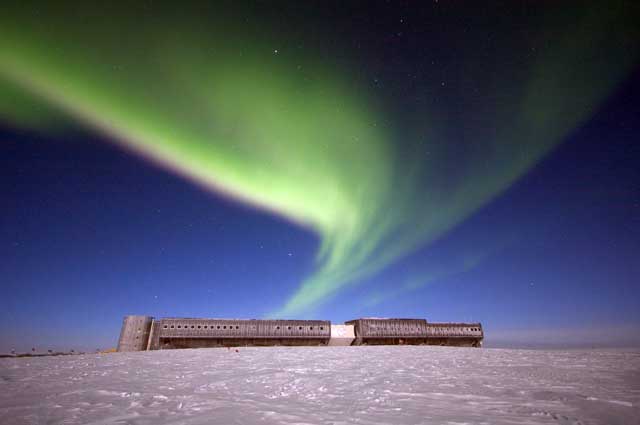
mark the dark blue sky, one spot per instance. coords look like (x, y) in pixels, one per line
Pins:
(90, 232)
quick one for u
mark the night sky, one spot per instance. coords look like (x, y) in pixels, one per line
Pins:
(455, 161)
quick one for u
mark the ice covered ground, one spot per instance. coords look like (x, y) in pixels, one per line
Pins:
(324, 385)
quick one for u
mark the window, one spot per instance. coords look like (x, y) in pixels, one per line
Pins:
(321, 328)
(165, 326)
(224, 327)
(179, 326)
(310, 327)
(289, 327)
(206, 327)
(299, 328)
(237, 327)
(277, 327)
(199, 326)
(172, 326)
(218, 326)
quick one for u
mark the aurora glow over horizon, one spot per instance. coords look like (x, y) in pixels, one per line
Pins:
(239, 111)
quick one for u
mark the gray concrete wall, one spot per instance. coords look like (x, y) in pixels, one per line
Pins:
(243, 328)
(375, 331)
(134, 335)
(470, 330)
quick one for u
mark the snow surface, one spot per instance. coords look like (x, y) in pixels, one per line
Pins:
(324, 385)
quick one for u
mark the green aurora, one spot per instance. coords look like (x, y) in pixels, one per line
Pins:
(225, 106)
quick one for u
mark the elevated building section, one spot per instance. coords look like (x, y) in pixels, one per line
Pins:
(456, 334)
(375, 331)
(198, 333)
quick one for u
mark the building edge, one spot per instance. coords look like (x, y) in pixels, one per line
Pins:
(134, 335)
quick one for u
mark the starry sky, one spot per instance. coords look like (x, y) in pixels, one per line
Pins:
(448, 160)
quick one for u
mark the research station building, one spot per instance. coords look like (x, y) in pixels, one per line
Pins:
(140, 333)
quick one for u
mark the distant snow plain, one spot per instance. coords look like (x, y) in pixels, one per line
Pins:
(325, 385)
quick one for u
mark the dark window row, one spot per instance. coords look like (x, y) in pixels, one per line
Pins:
(300, 328)
(223, 327)
(199, 327)
(468, 329)
(394, 327)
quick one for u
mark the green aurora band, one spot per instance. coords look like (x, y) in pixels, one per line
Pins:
(227, 108)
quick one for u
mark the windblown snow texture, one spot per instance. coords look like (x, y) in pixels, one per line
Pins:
(328, 385)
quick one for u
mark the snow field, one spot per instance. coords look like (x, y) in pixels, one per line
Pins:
(325, 385)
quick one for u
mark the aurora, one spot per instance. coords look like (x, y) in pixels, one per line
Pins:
(241, 113)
